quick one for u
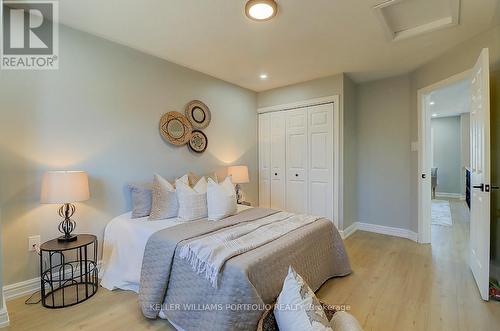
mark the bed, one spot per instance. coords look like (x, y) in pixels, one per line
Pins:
(145, 258)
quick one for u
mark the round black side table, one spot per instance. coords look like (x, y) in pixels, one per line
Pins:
(70, 274)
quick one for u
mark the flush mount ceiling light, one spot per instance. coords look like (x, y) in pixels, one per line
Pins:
(263, 76)
(432, 103)
(261, 10)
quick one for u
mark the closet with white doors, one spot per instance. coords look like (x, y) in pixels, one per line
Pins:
(296, 160)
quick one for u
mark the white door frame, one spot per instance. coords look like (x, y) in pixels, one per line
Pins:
(338, 138)
(424, 155)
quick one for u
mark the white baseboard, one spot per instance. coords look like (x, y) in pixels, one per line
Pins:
(390, 231)
(4, 315)
(17, 290)
(450, 195)
(30, 286)
(349, 230)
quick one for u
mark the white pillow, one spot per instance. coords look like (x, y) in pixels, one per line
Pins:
(192, 201)
(297, 308)
(221, 199)
(164, 200)
(342, 321)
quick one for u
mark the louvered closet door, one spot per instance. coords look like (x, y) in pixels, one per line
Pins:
(264, 161)
(278, 160)
(320, 133)
(296, 161)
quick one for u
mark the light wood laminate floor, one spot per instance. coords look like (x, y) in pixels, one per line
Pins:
(396, 285)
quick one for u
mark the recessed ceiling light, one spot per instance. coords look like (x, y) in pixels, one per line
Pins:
(263, 76)
(432, 103)
(261, 10)
(434, 115)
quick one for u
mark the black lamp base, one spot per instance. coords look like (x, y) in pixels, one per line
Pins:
(69, 238)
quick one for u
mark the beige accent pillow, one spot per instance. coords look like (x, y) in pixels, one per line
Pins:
(194, 178)
(163, 200)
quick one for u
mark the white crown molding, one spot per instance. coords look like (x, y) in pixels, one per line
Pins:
(4, 315)
(380, 229)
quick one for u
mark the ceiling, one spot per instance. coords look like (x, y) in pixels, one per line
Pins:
(307, 40)
(451, 100)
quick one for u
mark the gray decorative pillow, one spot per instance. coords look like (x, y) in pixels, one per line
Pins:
(141, 200)
(164, 200)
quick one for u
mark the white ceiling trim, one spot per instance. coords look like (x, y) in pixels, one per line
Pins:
(442, 23)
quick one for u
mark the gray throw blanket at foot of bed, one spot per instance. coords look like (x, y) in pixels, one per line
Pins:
(246, 282)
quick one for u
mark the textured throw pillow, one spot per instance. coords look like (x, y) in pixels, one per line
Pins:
(297, 308)
(192, 201)
(221, 199)
(164, 200)
(141, 200)
(343, 321)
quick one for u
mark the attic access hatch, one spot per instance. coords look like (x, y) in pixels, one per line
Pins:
(403, 19)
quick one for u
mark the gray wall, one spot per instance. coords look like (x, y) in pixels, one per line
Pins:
(383, 128)
(350, 196)
(447, 156)
(317, 88)
(100, 112)
(465, 148)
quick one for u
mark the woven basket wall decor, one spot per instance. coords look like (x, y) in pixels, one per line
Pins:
(198, 114)
(175, 128)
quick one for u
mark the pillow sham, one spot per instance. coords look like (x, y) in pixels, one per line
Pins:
(221, 199)
(297, 308)
(192, 201)
(164, 200)
(343, 321)
(141, 199)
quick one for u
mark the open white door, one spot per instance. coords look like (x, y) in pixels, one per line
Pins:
(480, 174)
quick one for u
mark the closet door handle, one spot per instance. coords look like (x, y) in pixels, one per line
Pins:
(296, 175)
(276, 174)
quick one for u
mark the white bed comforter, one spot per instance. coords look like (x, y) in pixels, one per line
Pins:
(125, 240)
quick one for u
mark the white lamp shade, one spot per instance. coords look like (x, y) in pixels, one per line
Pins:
(239, 174)
(59, 187)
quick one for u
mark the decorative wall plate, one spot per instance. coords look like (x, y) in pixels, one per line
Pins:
(198, 142)
(175, 128)
(198, 114)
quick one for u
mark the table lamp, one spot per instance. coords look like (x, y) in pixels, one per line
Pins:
(65, 187)
(239, 175)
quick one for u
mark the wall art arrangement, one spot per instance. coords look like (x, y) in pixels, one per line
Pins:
(179, 129)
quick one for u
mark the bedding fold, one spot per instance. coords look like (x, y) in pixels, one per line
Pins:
(207, 255)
